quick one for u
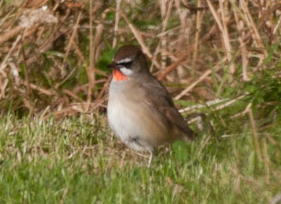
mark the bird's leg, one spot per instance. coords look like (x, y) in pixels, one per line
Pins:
(150, 159)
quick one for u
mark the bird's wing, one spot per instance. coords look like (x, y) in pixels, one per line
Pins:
(158, 98)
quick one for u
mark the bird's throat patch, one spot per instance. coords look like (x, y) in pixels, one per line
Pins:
(118, 75)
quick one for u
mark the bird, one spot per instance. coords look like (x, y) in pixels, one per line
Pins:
(140, 110)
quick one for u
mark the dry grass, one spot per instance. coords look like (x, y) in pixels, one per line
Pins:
(50, 50)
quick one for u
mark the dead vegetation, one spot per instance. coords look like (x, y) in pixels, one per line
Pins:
(53, 53)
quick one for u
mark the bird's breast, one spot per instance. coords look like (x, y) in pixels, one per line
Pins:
(132, 120)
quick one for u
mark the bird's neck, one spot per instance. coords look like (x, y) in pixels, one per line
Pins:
(118, 75)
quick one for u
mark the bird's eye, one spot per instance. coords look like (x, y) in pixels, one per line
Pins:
(125, 64)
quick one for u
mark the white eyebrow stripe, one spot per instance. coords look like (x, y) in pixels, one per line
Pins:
(125, 60)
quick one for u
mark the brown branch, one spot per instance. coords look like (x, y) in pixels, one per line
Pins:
(190, 49)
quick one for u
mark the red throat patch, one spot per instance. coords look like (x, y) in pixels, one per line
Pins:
(118, 75)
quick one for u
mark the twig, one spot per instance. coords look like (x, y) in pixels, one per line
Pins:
(213, 103)
(71, 40)
(266, 159)
(209, 103)
(203, 76)
(104, 88)
(4, 62)
(255, 134)
(223, 28)
(116, 24)
(198, 29)
(165, 15)
(245, 111)
(230, 102)
(90, 73)
(72, 95)
(40, 89)
(176, 63)
(81, 56)
(10, 34)
(29, 91)
(190, 49)
(277, 25)
(250, 22)
(243, 49)
(185, 91)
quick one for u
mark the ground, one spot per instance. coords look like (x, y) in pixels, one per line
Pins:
(78, 160)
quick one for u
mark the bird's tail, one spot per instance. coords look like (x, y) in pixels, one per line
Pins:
(199, 118)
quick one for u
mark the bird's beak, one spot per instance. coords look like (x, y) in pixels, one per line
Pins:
(112, 65)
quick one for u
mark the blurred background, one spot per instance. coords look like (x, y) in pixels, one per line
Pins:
(53, 54)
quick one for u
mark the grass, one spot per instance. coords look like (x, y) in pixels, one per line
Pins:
(77, 160)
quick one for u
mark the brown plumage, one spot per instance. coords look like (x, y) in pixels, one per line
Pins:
(140, 110)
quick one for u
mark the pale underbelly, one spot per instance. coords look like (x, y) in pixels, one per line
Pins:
(139, 130)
